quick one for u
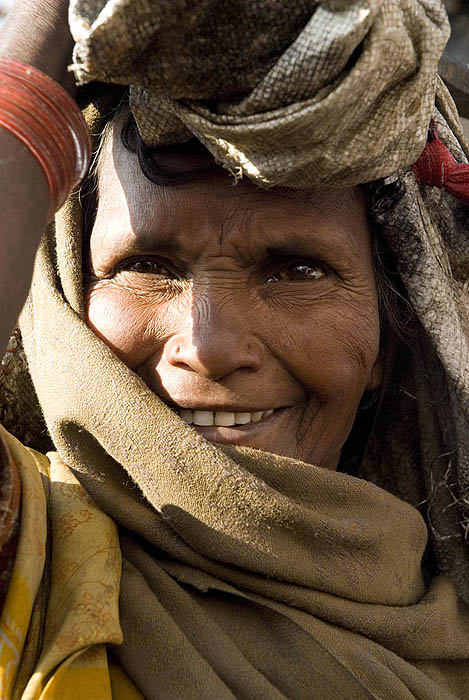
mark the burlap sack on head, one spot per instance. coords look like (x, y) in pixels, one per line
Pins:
(257, 81)
(301, 559)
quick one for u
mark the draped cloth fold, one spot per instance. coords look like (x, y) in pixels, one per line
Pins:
(246, 574)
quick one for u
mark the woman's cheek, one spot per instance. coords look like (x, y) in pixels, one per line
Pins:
(334, 354)
(131, 327)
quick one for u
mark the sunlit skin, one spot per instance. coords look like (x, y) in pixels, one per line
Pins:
(227, 297)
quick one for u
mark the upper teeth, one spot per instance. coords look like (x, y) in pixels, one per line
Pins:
(222, 418)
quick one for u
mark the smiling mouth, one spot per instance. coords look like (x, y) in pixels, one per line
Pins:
(222, 419)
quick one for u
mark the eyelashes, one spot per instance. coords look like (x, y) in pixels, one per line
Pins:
(150, 265)
(284, 270)
(296, 272)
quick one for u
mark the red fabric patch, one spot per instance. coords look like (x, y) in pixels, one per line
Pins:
(436, 167)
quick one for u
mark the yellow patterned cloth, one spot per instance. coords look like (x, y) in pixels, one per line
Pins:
(61, 608)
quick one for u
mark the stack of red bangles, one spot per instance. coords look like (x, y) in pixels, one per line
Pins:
(40, 113)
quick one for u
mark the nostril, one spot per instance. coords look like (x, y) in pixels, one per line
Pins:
(214, 357)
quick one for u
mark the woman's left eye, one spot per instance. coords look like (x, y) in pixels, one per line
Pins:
(297, 271)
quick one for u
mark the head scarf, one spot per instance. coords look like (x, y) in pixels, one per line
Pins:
(247, 574)
(256, 85)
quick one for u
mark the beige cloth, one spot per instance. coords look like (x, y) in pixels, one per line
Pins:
(253, 576)
(289, 93)
(245, 575)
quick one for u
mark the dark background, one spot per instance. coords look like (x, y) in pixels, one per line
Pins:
(458, 45)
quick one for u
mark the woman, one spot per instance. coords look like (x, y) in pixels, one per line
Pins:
(270, 317)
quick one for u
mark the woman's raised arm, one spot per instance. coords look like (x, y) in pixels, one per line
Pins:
(35, 32)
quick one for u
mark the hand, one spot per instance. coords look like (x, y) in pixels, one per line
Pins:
(37, 32)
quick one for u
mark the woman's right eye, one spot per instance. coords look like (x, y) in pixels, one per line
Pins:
(148, 266)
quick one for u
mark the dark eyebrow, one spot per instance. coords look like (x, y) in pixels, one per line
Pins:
(148, 243)
(312, 249)
(292, 248)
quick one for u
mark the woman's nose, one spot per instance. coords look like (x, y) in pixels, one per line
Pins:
(215, 344)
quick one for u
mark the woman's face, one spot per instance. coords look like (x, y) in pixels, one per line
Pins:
(254, 313)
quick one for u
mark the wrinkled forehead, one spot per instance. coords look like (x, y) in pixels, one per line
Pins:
(217, 205)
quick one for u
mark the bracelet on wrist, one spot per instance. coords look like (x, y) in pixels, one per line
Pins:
(43, 116)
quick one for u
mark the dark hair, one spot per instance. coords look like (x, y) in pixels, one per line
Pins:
(160, 165)
(167, 166)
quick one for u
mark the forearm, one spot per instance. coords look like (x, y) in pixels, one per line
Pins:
(30, 35)
(24, 197)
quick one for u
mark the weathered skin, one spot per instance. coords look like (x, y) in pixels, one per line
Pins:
(185, 285)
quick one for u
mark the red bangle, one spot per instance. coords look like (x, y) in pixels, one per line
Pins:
(16, 116)
(40, 113)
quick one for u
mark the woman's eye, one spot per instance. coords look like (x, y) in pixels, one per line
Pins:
(293, 272)
(148, 266)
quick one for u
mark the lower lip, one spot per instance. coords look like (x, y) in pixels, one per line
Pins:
(241, 434)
